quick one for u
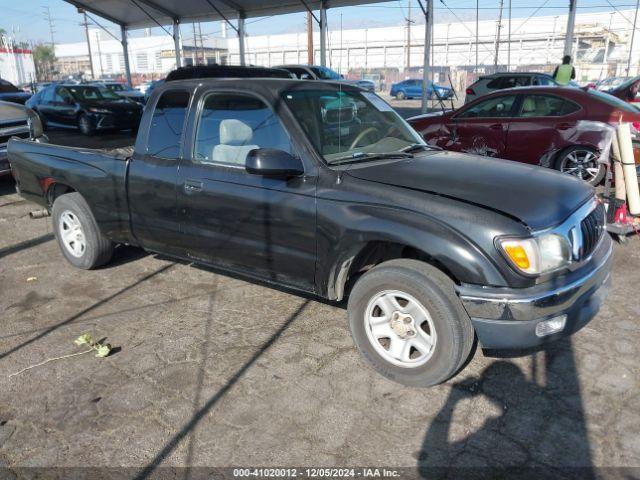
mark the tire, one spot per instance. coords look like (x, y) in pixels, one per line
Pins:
(43, 120)
(581, 162)
(89, 248)
(85, 125)
(446, 322)
(400, 95)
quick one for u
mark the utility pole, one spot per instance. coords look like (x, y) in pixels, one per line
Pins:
(477, 12)
(194, 52)
(47, 17)
(204, 56)
(499, 27)
(633, 34)
(99, 53)
(86, 32)
(408, 63)
(509, 41)
(309, 38)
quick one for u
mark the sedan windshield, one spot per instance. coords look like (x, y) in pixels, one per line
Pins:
(350, 124)
(93, 93)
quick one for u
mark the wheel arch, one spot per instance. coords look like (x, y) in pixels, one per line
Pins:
(365, 255)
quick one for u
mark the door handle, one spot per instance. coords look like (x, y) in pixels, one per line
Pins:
(563, 126)
(192, 186)
(496, 126)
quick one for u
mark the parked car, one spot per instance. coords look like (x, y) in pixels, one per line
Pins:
(11, 93)
(143, 87)
(431, 248)
(149, 90)
(610, 83)
(503, 80)
(412, 88)
(16, 121)
(225, 71)
(557, 127)
(628, 91)
(123, 90)
(88, 107)
(312, 72)
(317, 72)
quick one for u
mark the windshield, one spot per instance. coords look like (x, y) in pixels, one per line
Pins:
(324, 73)
(344, 124)
(93, 93)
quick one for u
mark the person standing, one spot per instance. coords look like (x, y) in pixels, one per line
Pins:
(565, 72)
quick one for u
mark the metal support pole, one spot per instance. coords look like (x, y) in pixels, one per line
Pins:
(477, 13)
(309, 38)
(428, 26)
(177, 43)
(323, 34)
(571, 21)
(125, 51)
(241, 39)
(633, 34)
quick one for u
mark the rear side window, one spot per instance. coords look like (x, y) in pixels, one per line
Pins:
(167, 123)
(495, 83)
(231, 125)
(546, 106)
(515, 81)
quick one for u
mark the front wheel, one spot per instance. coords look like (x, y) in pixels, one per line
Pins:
(581, 162)
(400, 95)
(85, 125)
(409, 324)
(79, 238)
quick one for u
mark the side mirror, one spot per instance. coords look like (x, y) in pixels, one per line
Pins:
(270, 162)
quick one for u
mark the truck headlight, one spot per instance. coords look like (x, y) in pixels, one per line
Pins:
(35, 125)
(536, 255)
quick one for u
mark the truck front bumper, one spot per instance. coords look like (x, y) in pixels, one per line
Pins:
(518, 318)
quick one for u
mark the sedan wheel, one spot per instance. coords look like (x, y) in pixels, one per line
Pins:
(85, 125)
(400, 95)
(582, 163)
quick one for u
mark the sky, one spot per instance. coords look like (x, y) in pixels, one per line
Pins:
(27, 17)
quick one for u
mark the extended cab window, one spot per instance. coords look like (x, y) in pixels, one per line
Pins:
(165, 133)
(491, 108)
(231, 125)
(546, 106)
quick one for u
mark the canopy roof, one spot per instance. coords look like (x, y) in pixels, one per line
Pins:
(145, 13)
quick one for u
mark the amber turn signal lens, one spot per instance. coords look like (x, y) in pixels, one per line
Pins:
(518, 255)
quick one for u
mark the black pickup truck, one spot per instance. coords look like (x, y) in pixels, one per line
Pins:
(321, 187)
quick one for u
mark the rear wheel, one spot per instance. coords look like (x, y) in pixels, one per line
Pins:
(85, 125)
(581, 162)
(79, 238)
(400, 95)
(409, 324)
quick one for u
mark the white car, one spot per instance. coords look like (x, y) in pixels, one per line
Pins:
(500, 81)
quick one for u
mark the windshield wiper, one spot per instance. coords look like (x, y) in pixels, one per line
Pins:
(365, 157)
(419, 146)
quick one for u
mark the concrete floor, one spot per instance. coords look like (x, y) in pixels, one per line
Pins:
(210, 370)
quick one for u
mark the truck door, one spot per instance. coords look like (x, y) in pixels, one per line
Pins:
(482, 128)
(262, 226)
(153, 172)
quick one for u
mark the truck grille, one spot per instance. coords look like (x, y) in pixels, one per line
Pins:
(592, 228)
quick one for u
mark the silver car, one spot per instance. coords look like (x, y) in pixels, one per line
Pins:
(500, 81)
(16, 121)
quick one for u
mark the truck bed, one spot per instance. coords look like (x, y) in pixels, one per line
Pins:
(43, 170)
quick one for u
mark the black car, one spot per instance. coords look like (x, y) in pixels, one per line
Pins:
(225, 71)
(87, 107)
(431, 248)
(10, 93)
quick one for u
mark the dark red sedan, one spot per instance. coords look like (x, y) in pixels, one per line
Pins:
(561, 128)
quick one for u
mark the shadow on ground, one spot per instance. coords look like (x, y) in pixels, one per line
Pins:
(539, 426)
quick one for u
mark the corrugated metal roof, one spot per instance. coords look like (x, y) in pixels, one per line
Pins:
(142, 13)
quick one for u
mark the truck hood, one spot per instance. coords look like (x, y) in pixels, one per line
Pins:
(536, 196)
